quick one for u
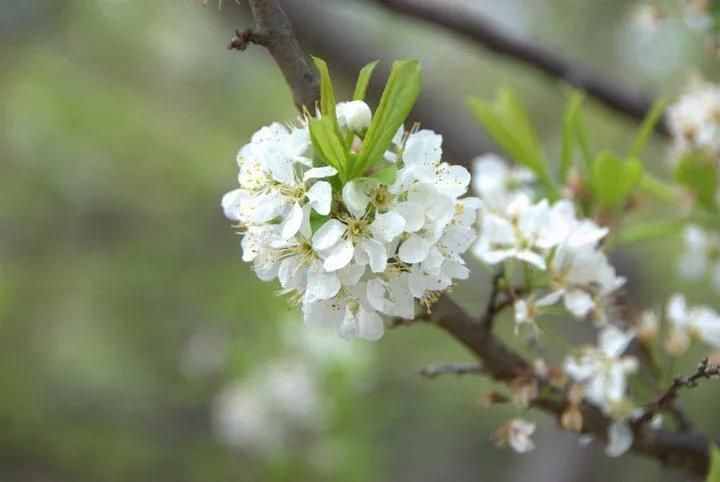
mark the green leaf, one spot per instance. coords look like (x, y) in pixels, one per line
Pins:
(327, 93)
(508, 124)
(714, 473)
(328, 144)
(570, 133)
(614, 179)
(386, 175)
(398, 98)
(647, 127)
(699, 174)
(363, 80)
(317, 220)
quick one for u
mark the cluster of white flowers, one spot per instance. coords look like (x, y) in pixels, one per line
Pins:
(688, 323)
(546, 237)
(602, 370)
(694, 121)
(701, 256)
(353, 254)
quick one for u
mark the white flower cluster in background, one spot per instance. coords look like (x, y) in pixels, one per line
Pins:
(271, 407)
(544, 237)
(356, 253)
(701, 256)
(602, 371)
(694, 121)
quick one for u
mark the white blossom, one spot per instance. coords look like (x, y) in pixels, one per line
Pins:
(353, 253)
(701, 255)
(620, 439)
(694, 121)
(602, 370)
(517, 434)
(688, 323)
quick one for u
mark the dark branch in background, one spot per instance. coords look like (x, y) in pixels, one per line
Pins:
(685, 450)
(433, 371)
(467, 22)
(274, 31)
(666, 401)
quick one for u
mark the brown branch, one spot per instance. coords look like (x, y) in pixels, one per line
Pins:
(433, 371)
(467, 22)
(274, 31)
(666, 401)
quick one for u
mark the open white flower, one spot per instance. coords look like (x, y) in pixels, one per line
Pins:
(516, 434)
(694, 120)
(602, 370)
(701, 256)
(496, 184)
(700, 322)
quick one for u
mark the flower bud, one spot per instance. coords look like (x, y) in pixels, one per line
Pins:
(354, 115)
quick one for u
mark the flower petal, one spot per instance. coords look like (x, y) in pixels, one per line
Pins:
(414, 250)
(388, 226)
(292, 222)
(319, 173)
(339, 255)
(328, 234)
(377, 254)
(320, 197)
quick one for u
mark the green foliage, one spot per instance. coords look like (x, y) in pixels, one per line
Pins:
(571, 133)
(363, 80)
(714, 473)
(329, 145)
(327, 92)
(646, 128)
(614, 179)
(649, 230)
(699, 174)
(508, 123)
(398, 98)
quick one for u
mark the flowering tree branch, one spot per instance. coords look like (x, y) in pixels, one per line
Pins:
(468, 23)
(687, 450)
(274, 31)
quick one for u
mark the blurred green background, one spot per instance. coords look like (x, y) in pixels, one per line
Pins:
(127, 318)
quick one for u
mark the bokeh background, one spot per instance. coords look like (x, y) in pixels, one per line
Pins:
(134, 343)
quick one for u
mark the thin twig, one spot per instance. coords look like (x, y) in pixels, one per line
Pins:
(492, 308)
(466, 21)
(433, 371)
(667, 399)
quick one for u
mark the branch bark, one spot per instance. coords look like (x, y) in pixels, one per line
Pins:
(467, 22)
(274, 31)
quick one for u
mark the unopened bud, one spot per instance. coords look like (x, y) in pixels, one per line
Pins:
(354, 115)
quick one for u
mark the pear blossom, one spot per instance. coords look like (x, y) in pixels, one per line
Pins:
(688, 323)
(495, 183)
(353, 252)
(701, 256)
(603, 370)
(694, 121)
(516, 434)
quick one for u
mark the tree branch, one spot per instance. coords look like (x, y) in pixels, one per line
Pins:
(433, 371)
(467, 22)
(274, 31)
(685, 450)
(666, 401)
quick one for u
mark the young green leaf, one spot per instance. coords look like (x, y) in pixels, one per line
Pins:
(363, 80)
(398, 98)
(649, 230)
(327, 93)
(714, 473)
(614, 179)
(328, 144)
(700, 175)
(570, 133)
(508, 124)
(646, 128)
